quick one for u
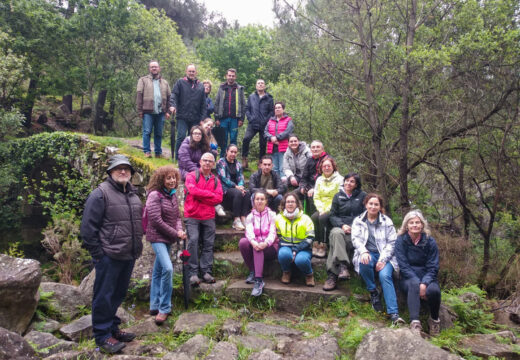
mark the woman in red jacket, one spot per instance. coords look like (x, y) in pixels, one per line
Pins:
(164, 228)
(277, 132)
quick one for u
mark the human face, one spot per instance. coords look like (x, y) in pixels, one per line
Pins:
(373, 207)
(207, 126)
(349, 185)
(260, 202)
(170, 182)
(260, 86)
(326, 168)
(415, 226)
(206, 163)
(154, 68)
(278, 110)
(207, 88)
(196, 135)
(231, 77)
(290, 203)
(121, 174)
(267, 166)
(231, 154)
(294, 143)
(191, 72)
(316, 149)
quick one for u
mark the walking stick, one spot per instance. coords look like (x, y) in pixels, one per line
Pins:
(185, 256)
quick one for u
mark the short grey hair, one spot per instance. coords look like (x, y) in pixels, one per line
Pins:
(208, 153)
(317, 142)
(410, 215)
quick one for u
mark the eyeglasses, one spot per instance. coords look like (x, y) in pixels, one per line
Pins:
(197, 134)
(121, 169)
(208, 160)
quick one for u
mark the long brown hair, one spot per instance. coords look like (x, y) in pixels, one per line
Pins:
(203, 145)
(378, 197)
(157, 180)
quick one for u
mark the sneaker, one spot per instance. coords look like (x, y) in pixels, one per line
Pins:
(396, 320)
(286, 277)
(219, 209)
(194, 280)
(375, 300)
(416, 327)
(123, 336)
(259, 286)
(315, 249)
(161, 318)
(208, 279)
(322, 250)
(309, 280)
(111, 346)
(330, 283)
(237, 225)
(343, 272)
(250, 278)
(434, 326)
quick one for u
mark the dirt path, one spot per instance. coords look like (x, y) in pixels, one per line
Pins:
(138, 144)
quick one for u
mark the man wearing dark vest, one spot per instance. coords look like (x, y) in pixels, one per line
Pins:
(112, 232)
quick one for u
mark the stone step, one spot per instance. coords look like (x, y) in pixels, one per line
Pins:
(292, 298)
(227, 239)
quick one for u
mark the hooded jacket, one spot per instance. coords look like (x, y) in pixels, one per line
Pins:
(325, 189)
(344, 209)
(293, 164)
(261, 226)
(189, 99)
(189, 159)
(201, 196)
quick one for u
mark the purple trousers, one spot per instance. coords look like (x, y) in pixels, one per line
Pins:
(255, 259)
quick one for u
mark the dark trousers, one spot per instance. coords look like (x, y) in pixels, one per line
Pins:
(321, 223)
(110, 286)
(248, 136)
(433, 292)
(236, 202)
(201, 234)
(183, 129)
(307, 202)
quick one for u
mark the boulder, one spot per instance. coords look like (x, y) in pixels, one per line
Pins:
(447, 316)
(67, 300)
(86, 288)
(19, 281)
(231, 327)
(255, 343)
(146, 327)
(13, 346)
(194, 348)
(48, 325)
(258, 328)
(324, 347)
(265, 355)
(487, 345)
(399, 344)
(192, 322)
(78, 329)
(136, 348)
(47, 344)
(75, 355)
(223, 350)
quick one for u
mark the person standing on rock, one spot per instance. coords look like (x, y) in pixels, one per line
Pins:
(203, 191)
(112, 232)
(418, 258)
(164, 228)
(153, 93)
(188, 102)
(277, 132)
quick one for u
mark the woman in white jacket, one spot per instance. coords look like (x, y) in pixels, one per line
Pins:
(373, 237)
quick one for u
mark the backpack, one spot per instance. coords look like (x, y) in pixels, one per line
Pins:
(197, 177)
(144, 217)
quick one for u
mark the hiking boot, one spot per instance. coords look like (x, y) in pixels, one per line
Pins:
(219, 209)
(396, 320)
(111, 346)
(161, 318)
(208, 279)
(343, 272)
(286, 277)
(147, 155)
(309, 280)
(322, 250)
(194, 280)
(237, 225)
(250, 278)
(315, 249)
(154, 312)
(330, 283)
(434, 326)
(123, 336)
(375, 300)
(259, 286)
(160, 156)
(416, 327)
(244, 163)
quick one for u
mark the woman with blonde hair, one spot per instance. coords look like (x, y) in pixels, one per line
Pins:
(418, 258)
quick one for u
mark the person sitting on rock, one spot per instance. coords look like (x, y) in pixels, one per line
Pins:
(229, 171)
(163, 229)
(260, 242)
(296, 233)
(373, 237)
(267, 179)
(191, 150)
(418, 258)
(294, 160)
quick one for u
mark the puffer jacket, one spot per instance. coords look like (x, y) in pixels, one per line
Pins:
(223, 174)
(293, 164)
(201, 196)
(145, 99)
(189, 98)
(419, 261)
(385, 236)
(281, 129)
(310, 172)
(189, 159)
(261, 226)
(325, 189)
(164, 218)
(297, 233)
(344, 209)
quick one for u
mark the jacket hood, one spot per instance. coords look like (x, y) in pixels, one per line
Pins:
(355, 192)
(331, 178)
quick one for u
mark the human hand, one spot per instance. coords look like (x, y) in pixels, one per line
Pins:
(167, 115)
(310, 193)
(181, 234)
(346, 229)
(302, 191)
(273, 139)
(294, 182)
(217, 122)
(365, 258)
(240, 123)
(422, 291)
(379, 266)
(173, 110)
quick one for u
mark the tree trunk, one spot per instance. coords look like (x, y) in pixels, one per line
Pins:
(29, 101)
(109, 121)
(100, 112)
(67, 101)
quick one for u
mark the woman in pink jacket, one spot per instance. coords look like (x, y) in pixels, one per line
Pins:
(163, 229)
(277, 132)
(260, 243)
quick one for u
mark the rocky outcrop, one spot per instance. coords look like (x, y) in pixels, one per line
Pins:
(399, 344)
(19, 281)
(255, 343)
(47, 344)
(223, 350)
(258, 328)
(194, 348)
(265, 355)
(324, 347)
(66, 300)
(192, 322)
(13, 346)
(497, 345)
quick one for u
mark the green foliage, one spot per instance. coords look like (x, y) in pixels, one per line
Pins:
(10, 123)
(15, 251)
(46, 308)
(352, 335)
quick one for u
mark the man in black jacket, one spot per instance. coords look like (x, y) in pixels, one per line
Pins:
(112, 232)
(259, 109)
(269, 180)
(188, 101)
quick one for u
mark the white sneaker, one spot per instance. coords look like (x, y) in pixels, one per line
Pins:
(220, 210)
(237, 225)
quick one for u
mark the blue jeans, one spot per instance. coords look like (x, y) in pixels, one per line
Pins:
(183, 127)
(302, 259)
(153, 122)
(231, 126)
(367, 272)
(161, 287)
(278, 163)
